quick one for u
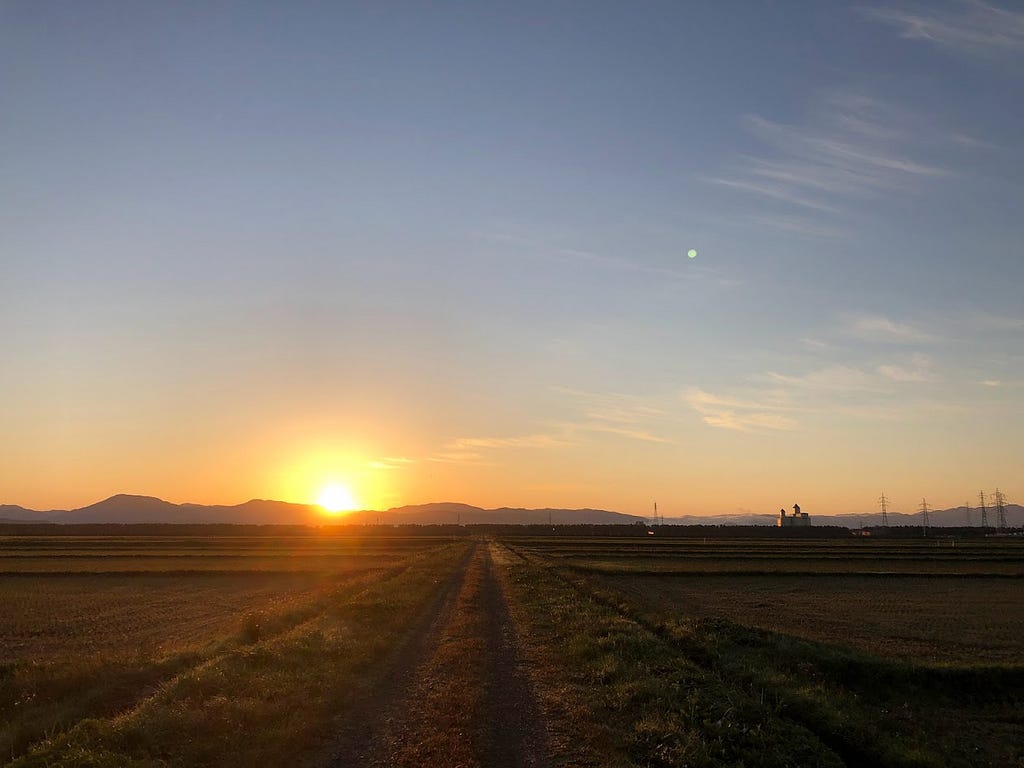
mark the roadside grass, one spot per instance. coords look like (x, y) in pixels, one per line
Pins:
(632, 696)
(266, 701)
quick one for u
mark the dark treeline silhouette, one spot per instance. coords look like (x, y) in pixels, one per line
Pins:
(610, 531)
(670, 531)
(479, 529)
(935, 532)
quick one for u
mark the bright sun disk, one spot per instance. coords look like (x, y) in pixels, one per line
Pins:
(336, 498)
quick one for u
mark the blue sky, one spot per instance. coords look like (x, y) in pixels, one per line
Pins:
(439, 251)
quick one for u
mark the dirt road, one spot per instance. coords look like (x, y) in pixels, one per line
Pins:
(455, 694)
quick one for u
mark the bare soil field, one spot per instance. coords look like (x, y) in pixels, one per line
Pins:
(328, 552)
(47, 617)
(973, 620)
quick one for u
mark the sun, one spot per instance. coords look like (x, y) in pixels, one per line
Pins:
(336, 498)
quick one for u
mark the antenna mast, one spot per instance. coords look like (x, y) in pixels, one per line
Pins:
(883, 505)
(1000, 508)
(924, 515)
(967, 512)
(984, 512)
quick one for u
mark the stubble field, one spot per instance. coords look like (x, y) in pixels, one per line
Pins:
(377, 647)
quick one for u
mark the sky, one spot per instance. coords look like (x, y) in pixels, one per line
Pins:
(440, 252)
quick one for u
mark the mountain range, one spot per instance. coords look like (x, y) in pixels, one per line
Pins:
(125, 508)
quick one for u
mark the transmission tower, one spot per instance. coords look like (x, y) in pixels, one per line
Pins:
(657, 520)
(1000, 508)
(883, 505)
(967, 512)
(924, 515)
(984, 512)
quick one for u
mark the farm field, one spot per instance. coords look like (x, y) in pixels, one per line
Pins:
(331, 552)
(684, 652)
(82, 642)
(392, 650)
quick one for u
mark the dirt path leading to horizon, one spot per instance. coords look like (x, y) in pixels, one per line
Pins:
(455, 694)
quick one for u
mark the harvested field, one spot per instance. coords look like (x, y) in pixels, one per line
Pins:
(112, 554)
(972, 620)
(515, 652)
(712, 654)
(982, 557)
(48, 617)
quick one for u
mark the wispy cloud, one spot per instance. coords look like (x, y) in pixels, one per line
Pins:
(919, 368)
(885, 390)
(391, 462)
(615, 413)
(969, 27)
(612, 406)
(739, 414)
(836, 378)
(520, 441)
(849, 147)
(632, 434)
(813, 343)
(883, 329)
(457, 457)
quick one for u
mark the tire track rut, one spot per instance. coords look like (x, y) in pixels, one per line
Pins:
(455, 695)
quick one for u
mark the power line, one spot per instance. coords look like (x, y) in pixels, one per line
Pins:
(1000, 508)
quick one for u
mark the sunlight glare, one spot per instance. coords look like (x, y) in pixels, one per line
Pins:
(336, 498)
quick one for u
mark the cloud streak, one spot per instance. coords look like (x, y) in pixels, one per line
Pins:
(738, 414)
(882, 329)
(851, 147)
(968, 27)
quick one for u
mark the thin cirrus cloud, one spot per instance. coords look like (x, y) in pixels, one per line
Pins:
(614, 413)
(882, 329)
(739, 414)
(776, 400)
(851, 147)
(968, 27)
(522, 441)
(391, 462)
(919, 369)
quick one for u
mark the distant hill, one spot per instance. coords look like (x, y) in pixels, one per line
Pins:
(448, 513)
(126, 508)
